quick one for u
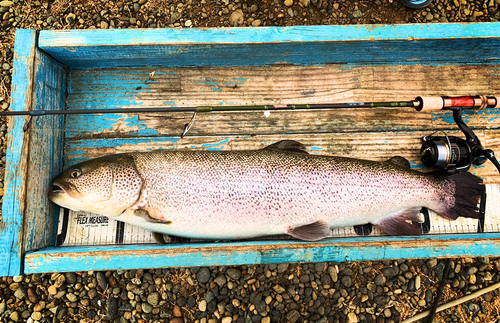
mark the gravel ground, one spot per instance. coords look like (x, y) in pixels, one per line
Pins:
(385, 291)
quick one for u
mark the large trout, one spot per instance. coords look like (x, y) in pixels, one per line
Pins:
(277, 190)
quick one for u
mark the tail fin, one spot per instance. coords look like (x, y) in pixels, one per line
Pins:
(468, 193)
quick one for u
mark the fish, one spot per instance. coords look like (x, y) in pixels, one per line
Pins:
(281, 189)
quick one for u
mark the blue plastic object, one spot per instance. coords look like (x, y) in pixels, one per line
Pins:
(416, 4)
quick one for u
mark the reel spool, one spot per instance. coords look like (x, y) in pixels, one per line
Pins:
(448, 152)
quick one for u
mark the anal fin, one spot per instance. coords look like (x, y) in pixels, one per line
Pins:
(400, 224)
(311, 232)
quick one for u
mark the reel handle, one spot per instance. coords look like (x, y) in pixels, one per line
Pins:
(490, 154)
(477, 102)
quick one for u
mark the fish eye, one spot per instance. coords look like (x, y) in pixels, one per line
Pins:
(76, 172)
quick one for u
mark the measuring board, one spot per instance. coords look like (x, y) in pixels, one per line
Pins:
(78, 228)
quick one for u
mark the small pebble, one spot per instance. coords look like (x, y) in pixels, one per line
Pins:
(101, 280)
(417, 282)
(153, 299)
(346, 281)
(357, 14)
(293, 316)
(177, 311)
(353, 318)
(202, 306)
(203, 275)
(379, 280)
(220, 280)
(146, 308)
(14, 316)
(111, 308)
(37, 316)
(6, 3)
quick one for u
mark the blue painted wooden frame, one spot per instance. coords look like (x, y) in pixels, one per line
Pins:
(355, 44)
(399, 44)
(261, 252)
(11, 233)
(32, 156)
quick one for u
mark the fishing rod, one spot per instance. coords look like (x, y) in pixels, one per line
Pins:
(450, 153)
(420, 104)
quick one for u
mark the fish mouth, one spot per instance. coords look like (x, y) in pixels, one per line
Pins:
(57, 189)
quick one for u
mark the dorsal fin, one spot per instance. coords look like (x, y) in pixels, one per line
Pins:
(399, 161)
(288, 146)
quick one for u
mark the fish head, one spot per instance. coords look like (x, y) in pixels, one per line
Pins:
(107, 185)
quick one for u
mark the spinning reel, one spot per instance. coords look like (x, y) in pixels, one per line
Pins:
(454, 154)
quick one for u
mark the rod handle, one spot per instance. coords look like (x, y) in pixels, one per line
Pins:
(477, 102)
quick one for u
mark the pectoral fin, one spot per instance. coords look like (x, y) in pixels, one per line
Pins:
(145, 215)
(311, 232)
(402, 223)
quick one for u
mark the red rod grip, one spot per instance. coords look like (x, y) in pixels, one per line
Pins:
(462, 101)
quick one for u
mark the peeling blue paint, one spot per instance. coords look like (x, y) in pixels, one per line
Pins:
(416, 165)
(216, 144)
(316, 148)
(216, 89)
(232, 83)
(97, 123)
(78, 152)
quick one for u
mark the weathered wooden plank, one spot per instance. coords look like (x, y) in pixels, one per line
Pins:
(14, 200)
(180, 87)
(45, 152)
(373, 44)
(262, 252)
(368, 145)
